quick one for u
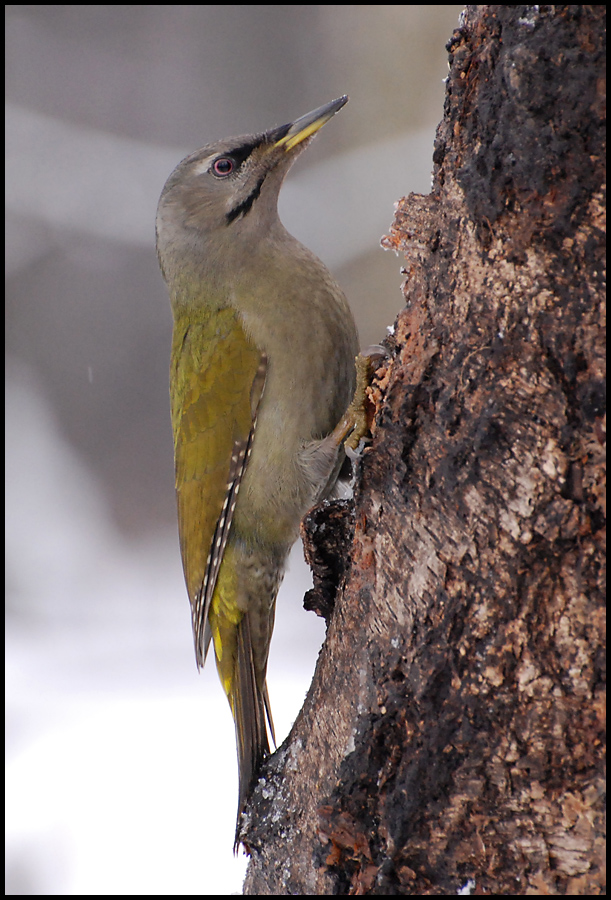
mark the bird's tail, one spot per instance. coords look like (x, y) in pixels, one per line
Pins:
(250, 706)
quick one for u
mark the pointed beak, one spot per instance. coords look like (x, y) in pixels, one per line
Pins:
(304, 127)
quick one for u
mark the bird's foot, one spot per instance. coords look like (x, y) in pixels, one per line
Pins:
(360, 412)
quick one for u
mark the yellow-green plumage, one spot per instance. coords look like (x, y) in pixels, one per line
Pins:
(212, 366)
(262, 371)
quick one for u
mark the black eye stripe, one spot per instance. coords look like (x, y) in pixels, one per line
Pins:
(238, 155)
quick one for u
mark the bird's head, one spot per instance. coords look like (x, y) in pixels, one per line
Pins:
(230, 188)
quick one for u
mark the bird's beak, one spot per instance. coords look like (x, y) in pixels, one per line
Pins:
(307, 125)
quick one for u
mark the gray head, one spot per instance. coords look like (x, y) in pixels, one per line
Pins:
(228, 191)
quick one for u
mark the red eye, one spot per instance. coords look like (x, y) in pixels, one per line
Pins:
(224, 165)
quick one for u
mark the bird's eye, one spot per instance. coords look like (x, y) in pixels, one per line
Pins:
(222, 166)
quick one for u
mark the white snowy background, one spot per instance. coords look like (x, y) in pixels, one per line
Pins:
(120, 765)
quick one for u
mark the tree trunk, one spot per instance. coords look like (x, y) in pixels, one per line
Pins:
(453, 734)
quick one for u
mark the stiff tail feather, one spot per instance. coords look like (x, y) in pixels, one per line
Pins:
(250, 705)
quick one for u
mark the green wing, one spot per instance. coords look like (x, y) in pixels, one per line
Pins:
(217, 378)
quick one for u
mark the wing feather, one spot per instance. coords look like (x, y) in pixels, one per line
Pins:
(217, 382)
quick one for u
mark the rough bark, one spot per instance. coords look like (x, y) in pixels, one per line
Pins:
(453, 734)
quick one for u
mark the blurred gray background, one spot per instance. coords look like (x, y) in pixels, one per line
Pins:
(120, 760)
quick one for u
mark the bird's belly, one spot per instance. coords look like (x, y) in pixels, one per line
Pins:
(274, 495)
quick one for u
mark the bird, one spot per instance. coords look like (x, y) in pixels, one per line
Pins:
(262, 375)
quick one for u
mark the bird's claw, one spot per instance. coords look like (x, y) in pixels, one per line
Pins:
(358, 410)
